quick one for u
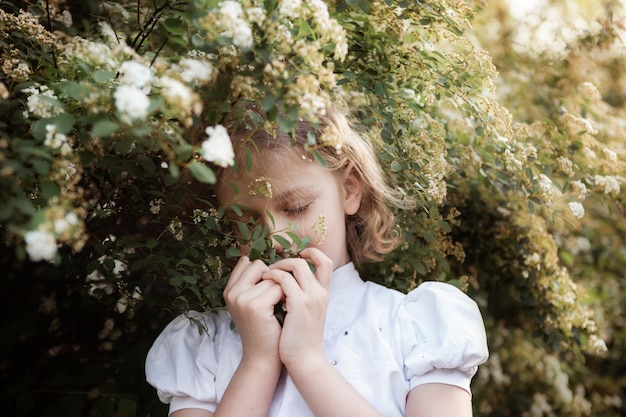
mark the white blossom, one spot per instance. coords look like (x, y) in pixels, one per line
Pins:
(579, 188)
(155, 206)
(608, 182)
(131, 102)
(233, 24)
(255, 15)
(194, 70)
(545, 186)
(42, 102)
(218, 147)
(63, 224)
(610, 154)
(136, 74)
(290, 8)
(179, 96)
(40, 245)
(577, 209)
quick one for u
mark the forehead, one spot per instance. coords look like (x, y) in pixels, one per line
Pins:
(274, 176)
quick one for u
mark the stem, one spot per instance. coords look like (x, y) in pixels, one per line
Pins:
(54, 55)
(108, 17)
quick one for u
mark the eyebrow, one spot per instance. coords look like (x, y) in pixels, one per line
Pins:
(295, 193)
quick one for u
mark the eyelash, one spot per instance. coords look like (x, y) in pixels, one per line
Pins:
(296, 211)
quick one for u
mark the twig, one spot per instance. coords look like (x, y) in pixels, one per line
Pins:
(108, 17)
(54, 55)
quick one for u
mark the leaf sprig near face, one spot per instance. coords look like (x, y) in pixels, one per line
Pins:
(261, 242)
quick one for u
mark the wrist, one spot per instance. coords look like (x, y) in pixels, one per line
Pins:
(306, 364)
(260, 364)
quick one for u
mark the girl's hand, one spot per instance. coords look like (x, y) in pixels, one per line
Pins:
(250, 301)
(306, 302)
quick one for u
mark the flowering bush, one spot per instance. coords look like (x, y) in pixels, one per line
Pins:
(110, 112)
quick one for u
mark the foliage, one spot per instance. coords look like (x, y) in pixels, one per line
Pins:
(109, 112)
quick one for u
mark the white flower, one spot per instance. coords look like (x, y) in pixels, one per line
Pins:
(42, 102)
(579, 188)
(180, 97)
(290, 8)
(63, 224)
(255, 15)
(155, 206)
(131, 102)
(65, 18)
(60, 226)
(194, 70)
(242, 36)
(233, 24)
(136, 74)
(218, 147)
(545, 184)
(608, 182)
(577, 209)
(611, 155)
(40, 245)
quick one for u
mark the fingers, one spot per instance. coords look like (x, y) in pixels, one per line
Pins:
(245, 272)
(265, 294)
(297, 273)
(324, 265)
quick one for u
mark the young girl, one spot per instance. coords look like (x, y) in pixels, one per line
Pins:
(346, 347)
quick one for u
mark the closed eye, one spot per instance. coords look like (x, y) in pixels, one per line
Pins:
(296, 210)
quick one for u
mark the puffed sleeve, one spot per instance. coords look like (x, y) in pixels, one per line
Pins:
(189, 367)
(443, 336)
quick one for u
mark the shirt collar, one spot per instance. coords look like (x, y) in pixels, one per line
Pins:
(345, 278)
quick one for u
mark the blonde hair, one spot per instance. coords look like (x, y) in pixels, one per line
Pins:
(371, 231)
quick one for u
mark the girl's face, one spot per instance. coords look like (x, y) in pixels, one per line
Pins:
(305, 198)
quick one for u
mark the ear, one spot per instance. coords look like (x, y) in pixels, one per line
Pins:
(353, 189)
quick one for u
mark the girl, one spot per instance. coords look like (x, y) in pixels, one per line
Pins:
(346, 347)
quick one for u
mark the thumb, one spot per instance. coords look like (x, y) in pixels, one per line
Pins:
(324, 266)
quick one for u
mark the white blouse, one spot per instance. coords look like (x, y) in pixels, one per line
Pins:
(382, 341)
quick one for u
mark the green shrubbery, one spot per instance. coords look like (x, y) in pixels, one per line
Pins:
(108, 110)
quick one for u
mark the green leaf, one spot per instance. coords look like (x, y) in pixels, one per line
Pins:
(146, 163)
(282, 241)
(124, 146)
(184, 152)
(6, 211)
(202, 172)
(74, 90)
(64, 123)
(319, 158)
(50, 189)
(244, 231)
(102, 76)
(104, 128)
(174, 25)
(233, 252)
(176, 281)
(267, 103)
(41, 167)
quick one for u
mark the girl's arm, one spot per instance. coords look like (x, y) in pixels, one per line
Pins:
(249, 393)
(250, 302)
(438, 400)
(325, 390)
